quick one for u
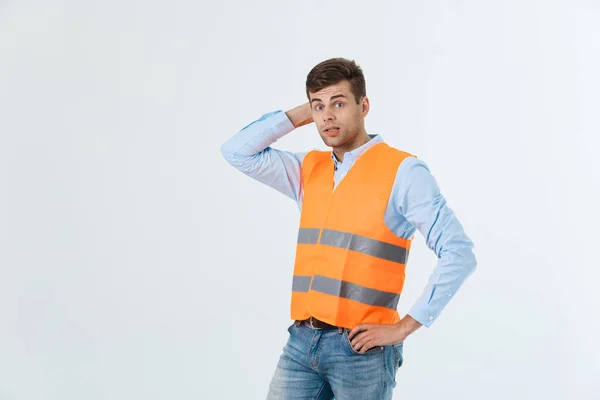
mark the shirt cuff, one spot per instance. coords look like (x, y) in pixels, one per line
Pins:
(423, 315)
(429, 306)
(281, 124)
(279, 120)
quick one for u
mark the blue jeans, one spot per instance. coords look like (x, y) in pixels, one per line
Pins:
(321, 364)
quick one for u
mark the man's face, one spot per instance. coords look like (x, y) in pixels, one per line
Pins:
(335, 107)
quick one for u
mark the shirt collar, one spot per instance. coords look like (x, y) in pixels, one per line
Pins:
(353, 155)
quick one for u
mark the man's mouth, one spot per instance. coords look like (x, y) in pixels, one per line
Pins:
(332, 130)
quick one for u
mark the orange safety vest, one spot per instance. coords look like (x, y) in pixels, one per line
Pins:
(349, 266)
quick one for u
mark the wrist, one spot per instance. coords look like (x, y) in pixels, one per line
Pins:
(406, 326)
(300, 115)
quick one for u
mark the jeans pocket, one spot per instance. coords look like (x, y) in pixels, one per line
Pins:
(373, 350)
(398, 351)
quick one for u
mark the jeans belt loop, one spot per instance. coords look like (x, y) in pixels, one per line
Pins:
(311, 323)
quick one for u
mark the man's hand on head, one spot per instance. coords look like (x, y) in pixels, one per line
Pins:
(300, 115)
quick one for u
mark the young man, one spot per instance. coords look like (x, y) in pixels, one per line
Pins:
(360, 206)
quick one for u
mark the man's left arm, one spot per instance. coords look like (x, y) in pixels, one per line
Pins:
(423, 205)
(417, 198)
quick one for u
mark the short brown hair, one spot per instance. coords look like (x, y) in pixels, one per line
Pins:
(334, 70)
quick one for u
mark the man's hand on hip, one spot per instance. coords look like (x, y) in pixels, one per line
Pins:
(366, 336)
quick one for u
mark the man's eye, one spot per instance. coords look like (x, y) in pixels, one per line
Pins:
(318, 108)
(339, 103)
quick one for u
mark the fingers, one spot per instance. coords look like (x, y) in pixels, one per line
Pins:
(357, 329)
(363, 348)
(359, 338)
(361, 342)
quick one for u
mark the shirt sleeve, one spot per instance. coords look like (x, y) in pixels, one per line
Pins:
(249, 151)
(420, 201)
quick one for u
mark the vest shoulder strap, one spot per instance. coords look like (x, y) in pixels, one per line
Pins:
(315, 157)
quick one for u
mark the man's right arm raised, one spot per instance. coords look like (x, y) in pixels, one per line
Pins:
(249, 150)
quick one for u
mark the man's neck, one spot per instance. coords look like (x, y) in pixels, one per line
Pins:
(339, 152)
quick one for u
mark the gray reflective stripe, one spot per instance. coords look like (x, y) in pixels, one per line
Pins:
(365, 245)
(308, 235)
(300, 283)
(356, 292)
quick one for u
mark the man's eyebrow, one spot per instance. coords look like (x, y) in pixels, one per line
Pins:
(332, 97)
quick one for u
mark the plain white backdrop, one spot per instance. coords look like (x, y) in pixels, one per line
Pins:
(135, 263)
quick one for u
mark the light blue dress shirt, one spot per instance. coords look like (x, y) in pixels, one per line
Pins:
(415, 203)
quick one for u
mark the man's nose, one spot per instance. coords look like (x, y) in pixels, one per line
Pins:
(327, 115)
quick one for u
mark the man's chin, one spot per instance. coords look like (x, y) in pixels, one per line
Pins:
(331, 141)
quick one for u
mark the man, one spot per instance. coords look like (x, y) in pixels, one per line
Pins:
(360, 206)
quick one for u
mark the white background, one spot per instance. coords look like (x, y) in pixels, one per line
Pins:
(135, 263)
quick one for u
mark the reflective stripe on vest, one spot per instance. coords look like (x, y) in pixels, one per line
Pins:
(347, 290)
(361, 244)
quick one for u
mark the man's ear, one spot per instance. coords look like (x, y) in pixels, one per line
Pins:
(364, 106)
